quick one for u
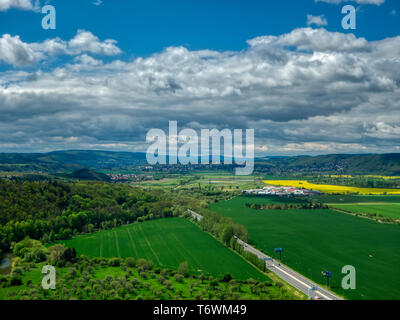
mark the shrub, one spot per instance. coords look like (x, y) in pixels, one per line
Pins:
(227, 278)
(130, 262)
(183, 269)
(114, 262)
(178, 277)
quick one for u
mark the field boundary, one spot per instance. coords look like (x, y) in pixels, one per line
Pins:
(364, 216)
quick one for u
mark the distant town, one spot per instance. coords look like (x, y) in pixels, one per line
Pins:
(281, 191)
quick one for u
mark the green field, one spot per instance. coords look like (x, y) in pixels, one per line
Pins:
(167, 242)
(317, 240)
(330, 198)
(215, 180)
(391, 210)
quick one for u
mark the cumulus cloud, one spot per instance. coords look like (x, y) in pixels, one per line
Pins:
(14, 51)
(316, 20)
(317, 40)
(19, 4)
(19, 54)
(374, 2)
(308, 91)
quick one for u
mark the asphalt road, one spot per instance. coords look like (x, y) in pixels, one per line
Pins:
(290, 276)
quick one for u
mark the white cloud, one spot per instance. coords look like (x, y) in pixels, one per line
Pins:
(85, 41)
(303, 92)
(19, 54)
(97, 2)
(14, 51)
(319, 40)
(393, 12)
(375, 2)
(18, 4)
(316, 20)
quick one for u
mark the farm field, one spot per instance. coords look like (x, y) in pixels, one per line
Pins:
(217, 180)
(331, 198)
(167, 242)
(325, 188)
(391, 210)
(323, 239)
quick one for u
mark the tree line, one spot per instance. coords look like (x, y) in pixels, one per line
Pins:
(223, 228)
(286, 206)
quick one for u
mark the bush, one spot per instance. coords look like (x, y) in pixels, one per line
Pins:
(14, 281)
(130, 262)
(183, 269)
(114, 262)
(178, 277)
(60, 255)
(227, 278)
(144, 264)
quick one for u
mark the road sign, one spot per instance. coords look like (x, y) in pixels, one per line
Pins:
(327, 275)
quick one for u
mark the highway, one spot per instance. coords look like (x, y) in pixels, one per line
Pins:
(288, 275)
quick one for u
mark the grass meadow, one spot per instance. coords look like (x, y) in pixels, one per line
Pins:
(391, 210)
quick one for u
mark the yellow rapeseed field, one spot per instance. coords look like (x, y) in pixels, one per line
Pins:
(338, 175)
(326, 188)
(383, 177)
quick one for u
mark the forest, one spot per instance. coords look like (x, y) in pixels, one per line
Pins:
(52, 210)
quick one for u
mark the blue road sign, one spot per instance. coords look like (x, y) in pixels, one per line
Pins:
(326, 273)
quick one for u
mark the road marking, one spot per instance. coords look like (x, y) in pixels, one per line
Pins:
(304, 284)
(259, 254)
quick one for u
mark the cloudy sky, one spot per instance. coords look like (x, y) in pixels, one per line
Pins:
(114, 69)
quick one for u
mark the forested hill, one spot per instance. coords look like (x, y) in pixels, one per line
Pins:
(69, 161)
(383, 164)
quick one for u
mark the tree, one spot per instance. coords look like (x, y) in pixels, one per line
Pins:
(183, 268)
(130, 262)
(227, 278)
(57, 254)
(227, 234)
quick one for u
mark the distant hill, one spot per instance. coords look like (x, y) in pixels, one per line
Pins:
(384, 164)
(86, 174)
(73, 160)
(67, 161)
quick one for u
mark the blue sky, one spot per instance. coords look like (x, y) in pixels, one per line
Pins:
(114, 69)
(145, 27)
